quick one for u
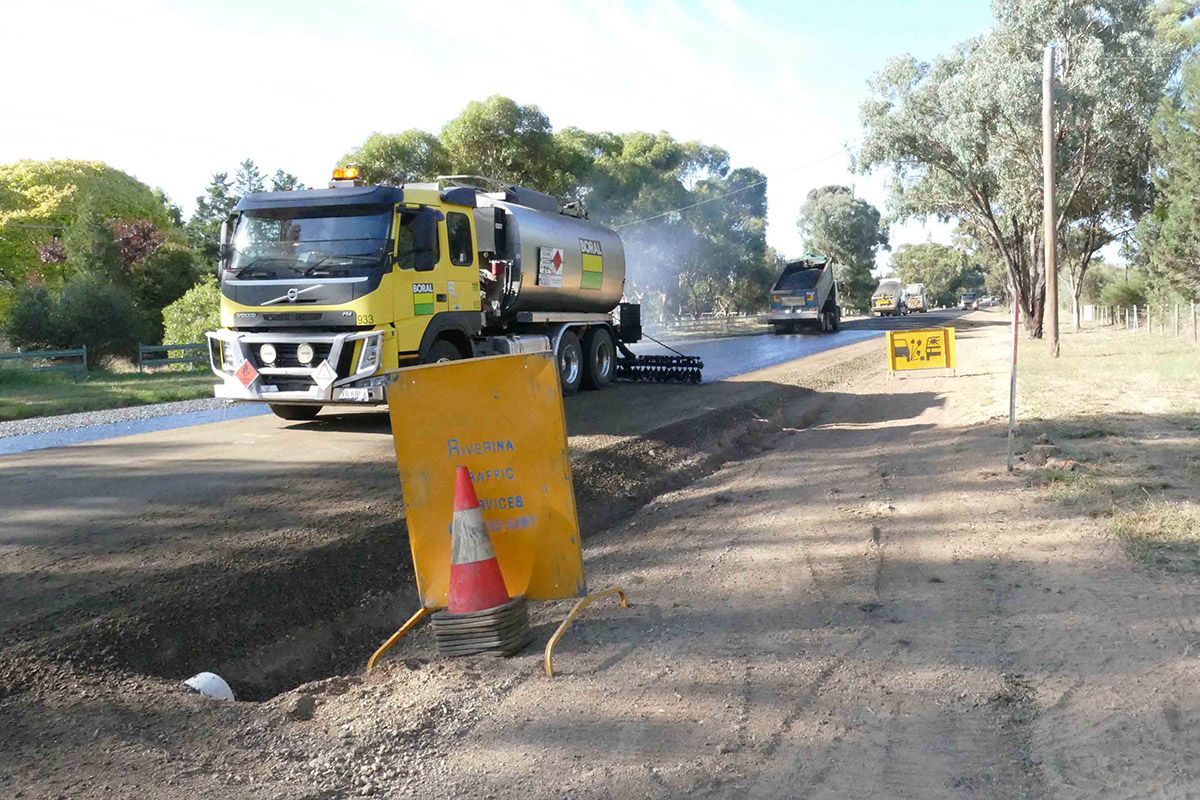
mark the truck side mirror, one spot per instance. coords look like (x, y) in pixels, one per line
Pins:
(224, 243)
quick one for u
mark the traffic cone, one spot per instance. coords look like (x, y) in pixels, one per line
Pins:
(475, 580)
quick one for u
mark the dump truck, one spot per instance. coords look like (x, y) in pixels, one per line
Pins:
(326, 293)
(888, 299)
(805, 296)
(914, 297)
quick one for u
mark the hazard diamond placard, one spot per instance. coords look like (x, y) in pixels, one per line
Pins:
(550, 266)
(246, 373)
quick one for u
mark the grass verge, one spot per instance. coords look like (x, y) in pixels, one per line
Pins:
(1161, 533)
(1126, 409)
(25, 394)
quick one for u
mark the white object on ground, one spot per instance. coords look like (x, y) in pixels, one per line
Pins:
(211, 685)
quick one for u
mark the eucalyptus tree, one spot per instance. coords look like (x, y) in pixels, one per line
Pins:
(835, 223)
(961, 134)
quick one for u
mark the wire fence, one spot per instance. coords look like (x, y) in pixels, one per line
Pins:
(1178, 319)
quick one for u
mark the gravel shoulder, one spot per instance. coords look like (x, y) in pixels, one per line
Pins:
(837, 592)
(84, 419)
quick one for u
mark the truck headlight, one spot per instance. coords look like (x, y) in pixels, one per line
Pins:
(267, 353)
(369, 359)
(304, 353)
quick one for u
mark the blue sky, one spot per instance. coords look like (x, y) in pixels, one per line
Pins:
(173, 91)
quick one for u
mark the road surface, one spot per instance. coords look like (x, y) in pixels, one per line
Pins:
(724, 357)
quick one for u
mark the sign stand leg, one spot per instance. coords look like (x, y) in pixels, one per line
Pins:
(583, 603)
(395, 637)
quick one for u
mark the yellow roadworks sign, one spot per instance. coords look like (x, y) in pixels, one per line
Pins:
(927, 349)
(502, 418)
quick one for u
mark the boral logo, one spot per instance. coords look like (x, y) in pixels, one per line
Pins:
(422, 299)
(590, 247)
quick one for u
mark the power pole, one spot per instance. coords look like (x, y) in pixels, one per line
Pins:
(1049, 210)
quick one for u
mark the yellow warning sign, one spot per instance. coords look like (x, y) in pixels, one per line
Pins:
(502, 418)
(927, 349)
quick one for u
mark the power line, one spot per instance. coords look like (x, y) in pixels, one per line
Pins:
(730, 193)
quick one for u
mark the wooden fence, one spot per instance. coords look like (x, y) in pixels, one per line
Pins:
(48, 360)
(158, 355)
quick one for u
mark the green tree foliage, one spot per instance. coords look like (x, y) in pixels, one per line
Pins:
(41, 201)
(848, 229)
(501, 139)
(709, 256)
(1169, 239)
(961, 135)
(32, 318)
(1127, 291)
(219, 198)
(946, 271)
(394, 159)
(285, 182)
(90, 312)
(212, 208)
(199, 310)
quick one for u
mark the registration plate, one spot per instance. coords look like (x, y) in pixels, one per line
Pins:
(356, 395)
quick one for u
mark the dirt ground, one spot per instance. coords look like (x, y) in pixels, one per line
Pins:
(837, 591)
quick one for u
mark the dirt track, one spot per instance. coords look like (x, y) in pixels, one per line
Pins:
(839, 594)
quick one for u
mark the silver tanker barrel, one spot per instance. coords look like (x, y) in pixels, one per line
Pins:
(566, 264)
(562, 263)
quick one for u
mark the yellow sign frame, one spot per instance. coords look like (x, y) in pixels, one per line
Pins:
(931, 348)
(503, 418)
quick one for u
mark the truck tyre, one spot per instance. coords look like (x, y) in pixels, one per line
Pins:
(780, 328)
(440, 351)
(601, 358)
(835, 320)
(301, 413)
(570, 362)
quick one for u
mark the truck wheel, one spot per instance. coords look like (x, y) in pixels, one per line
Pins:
(598, 345)
(442, 351)
(294, 412)
(570, 362)
(835, 320)
(780, 328)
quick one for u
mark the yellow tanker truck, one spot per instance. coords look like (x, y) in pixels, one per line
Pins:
(326, 292)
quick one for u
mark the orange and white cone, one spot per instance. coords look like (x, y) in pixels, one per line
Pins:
(475, 580)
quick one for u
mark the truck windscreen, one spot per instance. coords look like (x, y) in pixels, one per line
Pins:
(318, 242)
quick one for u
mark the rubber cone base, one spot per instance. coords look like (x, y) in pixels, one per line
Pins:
(502, 630)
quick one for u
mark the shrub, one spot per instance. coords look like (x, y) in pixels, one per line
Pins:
(91, 312)
(32, 318)
(1122, 293)
(95, 313)
(199, 310)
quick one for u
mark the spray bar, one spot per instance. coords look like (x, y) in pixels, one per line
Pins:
(634, 368)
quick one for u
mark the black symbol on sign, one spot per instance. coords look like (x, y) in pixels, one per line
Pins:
(901, 349)
(934, 347)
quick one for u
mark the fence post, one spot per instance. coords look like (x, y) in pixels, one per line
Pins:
(1194, 322)
(85, 366)
(1177, 320)
(1135, 319)
(1149, 319)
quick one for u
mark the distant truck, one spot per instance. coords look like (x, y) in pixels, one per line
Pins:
(888, 299)
(915, 297)
(805, 296)
(968, 301)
